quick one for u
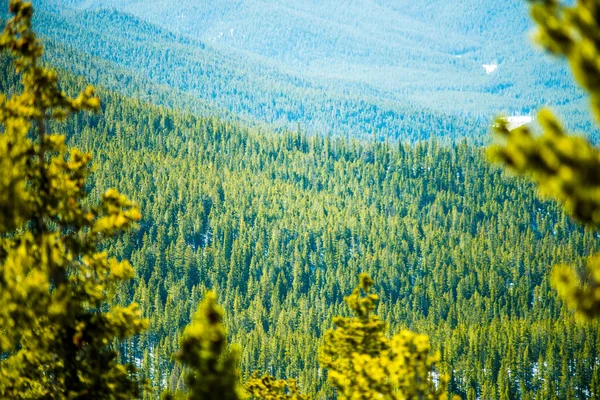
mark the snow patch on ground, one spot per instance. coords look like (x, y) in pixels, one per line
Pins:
(489, 68)
(518, 120)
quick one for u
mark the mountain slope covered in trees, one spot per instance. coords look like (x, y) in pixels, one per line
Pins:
(252, 91)
(280, 225)
(342, 68)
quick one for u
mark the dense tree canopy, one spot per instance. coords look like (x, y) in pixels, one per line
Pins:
(55, 283)
(280, 225)
(565, 167)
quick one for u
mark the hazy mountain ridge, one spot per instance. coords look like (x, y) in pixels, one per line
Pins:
(250, 90)
(317, 65)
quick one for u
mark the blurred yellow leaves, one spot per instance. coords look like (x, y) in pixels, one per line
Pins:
(566, 168)
(54, 283)
(269, 388)
(364, 364)
(213, 368)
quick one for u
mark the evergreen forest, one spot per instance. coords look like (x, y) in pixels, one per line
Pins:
(291, 235)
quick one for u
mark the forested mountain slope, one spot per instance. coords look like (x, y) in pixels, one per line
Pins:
(339, 67)
(229, 84)
(280, 225)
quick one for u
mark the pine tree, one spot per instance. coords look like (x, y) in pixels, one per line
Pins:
(565, 167)
(364, 364)
(212, 367)
(55, 285)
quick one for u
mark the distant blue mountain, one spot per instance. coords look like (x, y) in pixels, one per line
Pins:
(470, 57)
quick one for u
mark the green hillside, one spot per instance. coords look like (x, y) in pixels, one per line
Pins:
(275, 184)
(389, 54)
(280, 225)
(255, 92)
(330, 68)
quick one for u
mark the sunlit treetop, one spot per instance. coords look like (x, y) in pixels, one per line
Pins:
(565, 167)
(364, 364)
(55, 284)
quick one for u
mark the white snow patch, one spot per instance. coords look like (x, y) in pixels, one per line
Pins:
(518, 120)
(489, 68)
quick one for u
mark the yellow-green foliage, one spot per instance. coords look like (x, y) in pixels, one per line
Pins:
(566, 168)
(583, 297)
(364, 364)
(56, 328)
(573, 32)
(212, 368)
(269, 388)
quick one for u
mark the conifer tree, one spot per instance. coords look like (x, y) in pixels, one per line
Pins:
(364, 364)
(565, 167)
(212, 368)
(56, 325)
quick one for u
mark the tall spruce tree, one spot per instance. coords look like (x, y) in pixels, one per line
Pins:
(57, 329)
(212, 368)
(364, 364)
(565, 167)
